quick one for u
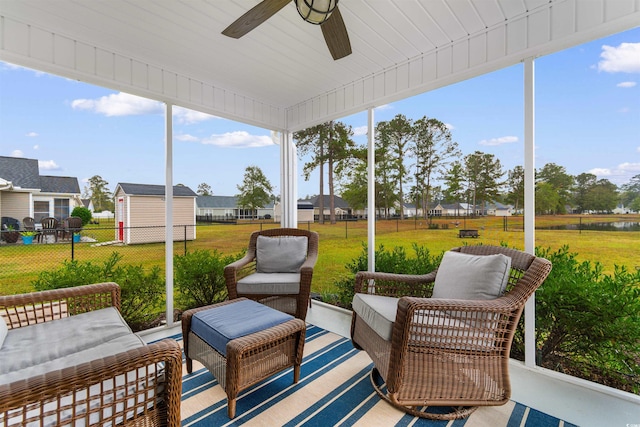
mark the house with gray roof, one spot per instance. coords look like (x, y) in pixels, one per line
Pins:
(26, 193)
(140, 213)
(225, 208)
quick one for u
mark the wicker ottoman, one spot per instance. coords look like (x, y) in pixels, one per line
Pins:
(242, 342)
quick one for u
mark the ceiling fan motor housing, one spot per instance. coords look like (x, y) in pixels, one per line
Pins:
(316, 11)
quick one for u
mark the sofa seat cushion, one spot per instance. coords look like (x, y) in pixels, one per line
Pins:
(45, 347)
(219, 325)
(270, 284)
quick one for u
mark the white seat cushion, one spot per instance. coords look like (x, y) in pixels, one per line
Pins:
(270, 284)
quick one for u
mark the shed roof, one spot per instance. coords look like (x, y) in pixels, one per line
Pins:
(153, 190)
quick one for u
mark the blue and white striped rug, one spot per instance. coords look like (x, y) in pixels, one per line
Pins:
(334, 389)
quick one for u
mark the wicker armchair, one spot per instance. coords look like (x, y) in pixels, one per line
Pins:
(292, 297)
(446, 353)
(149, 377)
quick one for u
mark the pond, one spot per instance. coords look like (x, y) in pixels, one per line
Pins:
(597, 226)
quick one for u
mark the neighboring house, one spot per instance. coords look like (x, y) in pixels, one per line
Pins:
(305, 211)
(341, 207)
(499, 209)
(88, 203)
(226, 208)
(24, 192)
(140, 213)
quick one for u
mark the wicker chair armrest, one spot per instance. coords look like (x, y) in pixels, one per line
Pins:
(502, 305)
(37, 307)
(63, 388)
(393, 284)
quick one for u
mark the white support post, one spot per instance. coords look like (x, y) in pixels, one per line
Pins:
(529, 204)
(371, 190)
(168, 203)
(288, 181)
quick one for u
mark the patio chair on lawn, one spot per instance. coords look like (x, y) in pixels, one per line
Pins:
(49, 228)
(276, 270)
(443, 339)
(72, 224)
(28, 224)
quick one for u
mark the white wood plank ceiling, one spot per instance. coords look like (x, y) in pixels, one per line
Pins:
(281, 76)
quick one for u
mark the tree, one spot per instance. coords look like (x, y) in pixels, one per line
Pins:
(433, 148)
(454, 180)
(581, 192)
(255, 191)
(396, 134)
(204, 189)
(562, 182)
(329, 143)
(631, 192)
(546, 198)
(484, 173)
(515, 187)
(101, 197)
(603, 196)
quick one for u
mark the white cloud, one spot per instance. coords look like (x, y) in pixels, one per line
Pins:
(36, 147)
(186, 138)
(629, 167)
(48, 165)
(638, 149)
(187, 117)
(238, 139)
(119, 104)
(622, 59)
(601, 172)
(31, 134)
(626, 84)
(449, 126)
(360, 130)
(17, 153)
(124, 104)
(499, 141)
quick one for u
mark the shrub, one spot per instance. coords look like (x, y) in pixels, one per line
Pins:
(83, 213)
(388, 261)
(142, 293)
(199, 277)
(588, 321)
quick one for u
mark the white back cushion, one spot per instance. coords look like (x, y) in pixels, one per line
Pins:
(471, 277)
(284, 254)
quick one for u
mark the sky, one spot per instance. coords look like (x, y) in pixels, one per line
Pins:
(587, 120)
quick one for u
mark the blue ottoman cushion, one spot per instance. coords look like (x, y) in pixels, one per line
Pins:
(219, 325)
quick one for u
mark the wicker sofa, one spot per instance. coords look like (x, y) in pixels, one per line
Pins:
(68, 358)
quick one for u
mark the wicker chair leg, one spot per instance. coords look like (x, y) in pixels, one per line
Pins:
(457, 412)
(231, 407)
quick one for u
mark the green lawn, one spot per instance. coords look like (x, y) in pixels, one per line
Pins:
(339, 244)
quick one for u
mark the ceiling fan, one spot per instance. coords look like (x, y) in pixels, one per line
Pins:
(320, 12)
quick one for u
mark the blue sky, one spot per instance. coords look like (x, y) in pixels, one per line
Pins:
(587, 120)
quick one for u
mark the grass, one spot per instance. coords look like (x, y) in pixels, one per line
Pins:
(339, 244)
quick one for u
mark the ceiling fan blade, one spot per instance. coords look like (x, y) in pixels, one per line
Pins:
(335, 34)
(254, 17)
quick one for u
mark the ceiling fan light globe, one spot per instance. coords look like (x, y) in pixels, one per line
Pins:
(316, 11)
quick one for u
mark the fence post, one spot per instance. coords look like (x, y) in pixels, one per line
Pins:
(346, 229)
(72, 246)
(185, 239)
